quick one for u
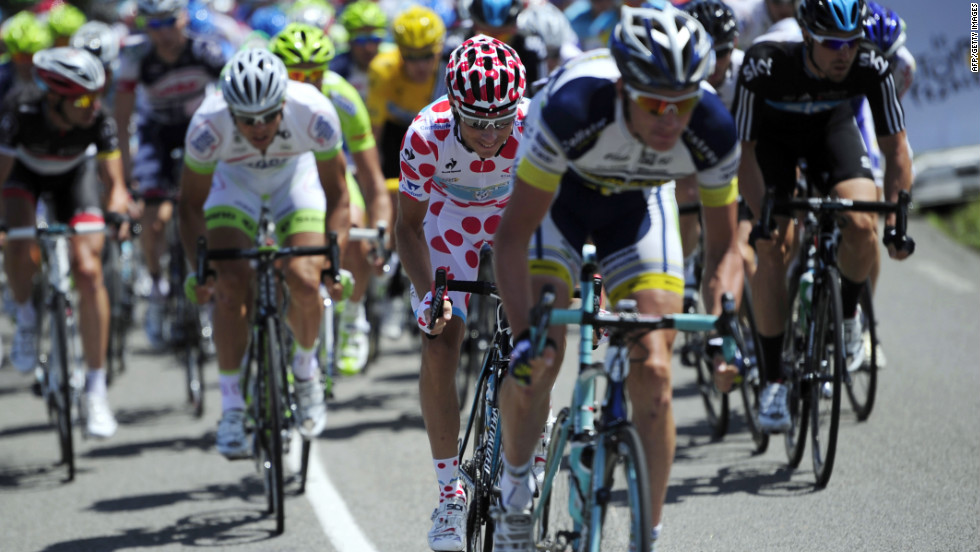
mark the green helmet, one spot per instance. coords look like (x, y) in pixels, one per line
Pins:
(65, 19)
(364, 14)
(301, 43)
(23, 33)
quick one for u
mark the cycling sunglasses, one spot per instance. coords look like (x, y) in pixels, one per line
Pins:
(256, 120)
(154, 23)
(364, 39)
(659, 105)
(85, 100)
(837, 44)
(306, 75)
(477, 123)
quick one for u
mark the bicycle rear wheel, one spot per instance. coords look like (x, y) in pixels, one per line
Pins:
(826, 368)
(554, 528)
(270, 423)
(751, 387)
(862, 383)
(620, 513)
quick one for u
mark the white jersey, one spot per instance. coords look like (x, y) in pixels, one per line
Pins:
(309, 130)
(753, 19)
(726, 91)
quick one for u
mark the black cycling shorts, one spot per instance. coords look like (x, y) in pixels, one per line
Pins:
(830, 153)
(71, 194)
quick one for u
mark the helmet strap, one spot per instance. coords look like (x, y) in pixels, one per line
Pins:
(808, 54)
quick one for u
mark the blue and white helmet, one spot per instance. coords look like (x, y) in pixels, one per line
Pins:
(100, 40)
(661, 47)
(254, 81)
(884, 28)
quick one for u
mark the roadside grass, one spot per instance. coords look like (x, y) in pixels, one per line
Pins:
(961, 222)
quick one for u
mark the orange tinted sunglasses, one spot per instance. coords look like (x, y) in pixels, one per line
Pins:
(306, 75)
(659, 105)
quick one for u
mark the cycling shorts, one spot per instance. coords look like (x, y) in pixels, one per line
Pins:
(155, 166)
(455, 238)
(298, 207)
(832, 154)
(75, 196)
(636, 235)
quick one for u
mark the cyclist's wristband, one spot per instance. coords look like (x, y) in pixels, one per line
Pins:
(190, 287)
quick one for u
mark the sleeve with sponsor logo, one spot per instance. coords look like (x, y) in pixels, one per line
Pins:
(749, 91)
(107, 141)
(355, 123)
(711, 139)
(204, 139)
(418, 156)
(881, 91)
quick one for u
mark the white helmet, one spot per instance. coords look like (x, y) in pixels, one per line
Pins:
(548, 22)
(160, 7)
(68, 71)
(100, 40)
(254, 81)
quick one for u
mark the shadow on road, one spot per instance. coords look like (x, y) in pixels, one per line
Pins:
(204, 442)
(216, 529)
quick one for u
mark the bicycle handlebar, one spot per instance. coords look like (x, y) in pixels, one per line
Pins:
(270, 253)
(440, 295)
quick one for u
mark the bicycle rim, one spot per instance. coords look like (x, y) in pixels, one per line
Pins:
(270, 429)
(620, 513)
(554, 528)
(862, 383)
(479, 531)
(826, 367)
(751, 387)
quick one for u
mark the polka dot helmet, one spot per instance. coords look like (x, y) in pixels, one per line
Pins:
(485, 78)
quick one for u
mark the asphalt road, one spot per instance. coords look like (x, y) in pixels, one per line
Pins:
(907, 479)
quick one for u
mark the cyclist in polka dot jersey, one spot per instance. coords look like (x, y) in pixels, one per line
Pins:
(456, 161)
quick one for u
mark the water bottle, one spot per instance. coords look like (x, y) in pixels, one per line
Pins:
(580, 478)
(806, 290)
(126, 261)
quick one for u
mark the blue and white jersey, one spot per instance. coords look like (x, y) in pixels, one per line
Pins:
(576, 134)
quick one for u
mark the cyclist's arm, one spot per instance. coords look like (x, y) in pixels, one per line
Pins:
(6, 166)
(117, 197)
(333, 178)
(898, 167)
(412, 247)
(723, 267)
(372, 184)
(525, 210)
(125, 103)
(750, 183)
(194, 189)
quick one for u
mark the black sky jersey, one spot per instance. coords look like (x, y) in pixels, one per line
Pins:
(27, 134)
(778, 96)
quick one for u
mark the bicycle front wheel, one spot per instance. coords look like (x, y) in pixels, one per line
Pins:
(59, 380)
(554, 527)
(270, 423)
(862, 382)
(619, 517)
(751, 387)
(826, 369)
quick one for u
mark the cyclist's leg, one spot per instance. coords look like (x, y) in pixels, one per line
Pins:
(21, 263)
(80, 205)
(650, 271)
(354, 326)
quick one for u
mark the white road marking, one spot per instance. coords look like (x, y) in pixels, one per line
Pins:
(335, 519)
(944, 277)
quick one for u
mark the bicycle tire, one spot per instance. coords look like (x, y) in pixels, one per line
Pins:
(554, 528)
(479, 525)
(751, 387)
(270, 428)
(826, 367)
(113, 286)
(192, 354)
(620, 461)
(797, 400)
(862, 383)
(716, 407)
(62, 372)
